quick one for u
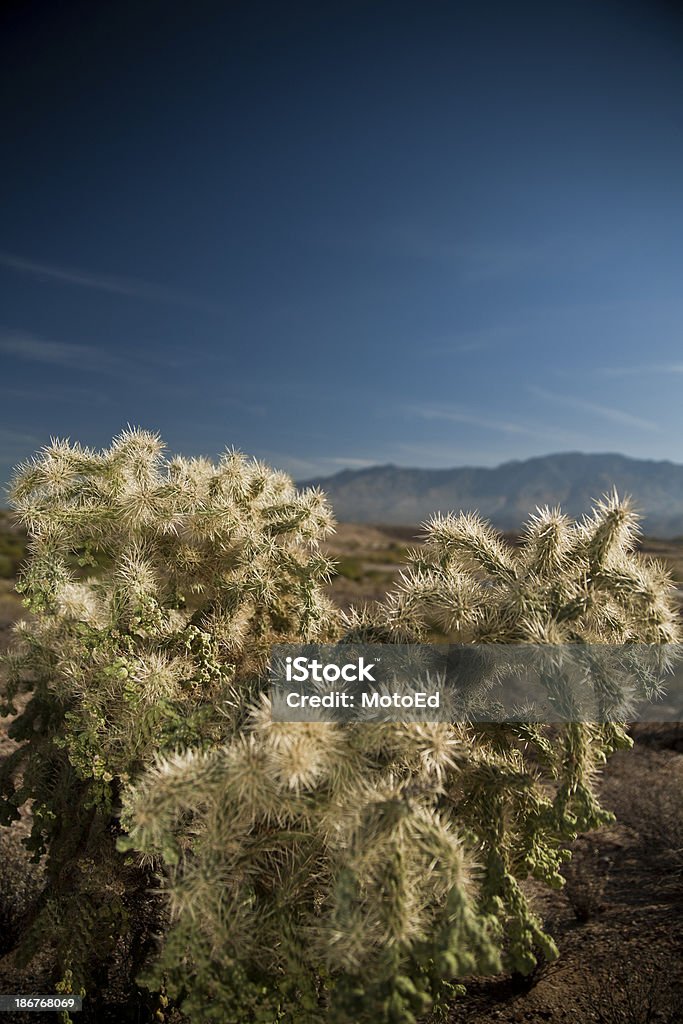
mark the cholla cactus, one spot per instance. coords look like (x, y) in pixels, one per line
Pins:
(319, 878)
(566, 583)
(528, 789)
(312, 871)
(158, 587)
(342, 873)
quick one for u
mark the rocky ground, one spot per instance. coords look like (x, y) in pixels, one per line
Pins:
(619, 920)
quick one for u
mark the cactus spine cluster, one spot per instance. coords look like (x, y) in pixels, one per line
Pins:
(312, 872)
(157, 587)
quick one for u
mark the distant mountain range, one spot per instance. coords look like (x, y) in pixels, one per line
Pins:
(507, 494)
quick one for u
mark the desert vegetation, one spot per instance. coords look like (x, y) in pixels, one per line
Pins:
(197, 861)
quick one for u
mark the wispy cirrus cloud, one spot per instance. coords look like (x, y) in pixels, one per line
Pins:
(479, 340)
(14, 446)
(472, 261)
(350, 462)
(452, 414)
(448, 453)
(323, 465)
(26, 346)
(431, 412)
(605, 412)
(645, 368)
(16, 438)
(103, 282)
(61, 396)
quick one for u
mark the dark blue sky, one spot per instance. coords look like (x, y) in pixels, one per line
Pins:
(341, 233)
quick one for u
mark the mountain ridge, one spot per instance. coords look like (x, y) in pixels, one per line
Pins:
(508, 493)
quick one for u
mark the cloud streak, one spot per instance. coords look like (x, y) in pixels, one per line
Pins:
(14, 447)
(13, 437)
(26, 346)
(323, 465)
(499, 426)
(468, 342)
(474, 262)
(605, 412)
(632, 371)
(472, 419)
(102, 282)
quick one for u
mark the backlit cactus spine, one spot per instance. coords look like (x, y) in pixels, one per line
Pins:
(346, 872)
(157, 586)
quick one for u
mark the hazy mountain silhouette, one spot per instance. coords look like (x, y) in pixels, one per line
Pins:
(507, 494)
